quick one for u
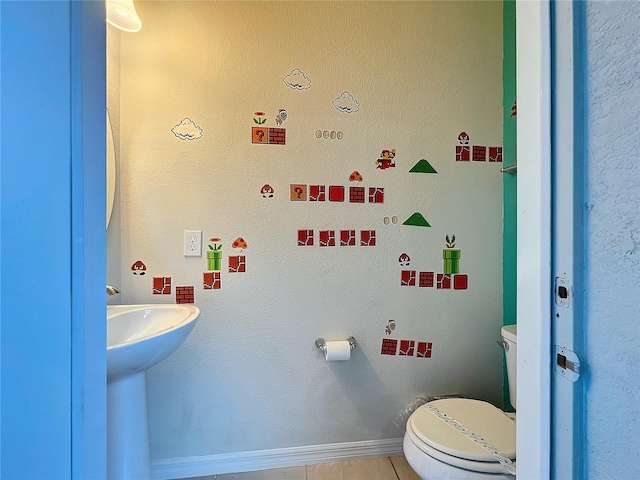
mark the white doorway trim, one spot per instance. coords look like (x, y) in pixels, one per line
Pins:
(533, 67)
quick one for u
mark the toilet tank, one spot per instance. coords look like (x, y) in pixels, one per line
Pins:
(509, 334)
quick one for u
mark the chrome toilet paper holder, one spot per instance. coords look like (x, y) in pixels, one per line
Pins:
(322, 344)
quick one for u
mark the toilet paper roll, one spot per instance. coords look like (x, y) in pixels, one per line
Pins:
(337, 351)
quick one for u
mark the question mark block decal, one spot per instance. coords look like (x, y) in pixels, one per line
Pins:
(298, 192)
(259, 135)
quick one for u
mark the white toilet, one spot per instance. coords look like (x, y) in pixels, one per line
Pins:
(460, 438)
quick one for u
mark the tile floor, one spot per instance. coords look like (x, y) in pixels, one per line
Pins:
(388, 468)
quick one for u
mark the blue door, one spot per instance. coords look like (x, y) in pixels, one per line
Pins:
(52, 240)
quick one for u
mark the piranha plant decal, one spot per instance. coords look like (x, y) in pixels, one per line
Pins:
(451, 257)
(261, 118)
(214, 255)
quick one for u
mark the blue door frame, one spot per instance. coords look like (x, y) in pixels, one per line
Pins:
(52, 240)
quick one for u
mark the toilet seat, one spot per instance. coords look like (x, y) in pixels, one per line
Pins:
(436, 437)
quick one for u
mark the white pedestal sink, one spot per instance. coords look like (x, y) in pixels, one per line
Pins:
(138, 337)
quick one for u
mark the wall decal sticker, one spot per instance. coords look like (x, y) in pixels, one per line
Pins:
(261, 119)
(386, 159)
(316, 193)
(367, 238)
(345, 103)
(297, 80)
(184, 294)
(391, 326)
(237, 264)
(187, 130)
(138, 268)
(356, 194)
(424, 349)
(460, 282)
(444, 281)
(277, 136)
(451, 256)
(495, 154)
(389, 346)
(336, 193)
(239, 243)
(479, 153)
(425, 279)
(211, 280)
(214, 255)
(305, 238)
(407, 347)
(355, 177)
(416, 220)
(376, 195)
(161, 285)
(347, 238)
(404, 260)
(298, 192)
(327, 238)
(407, 278)
(267, 191)
(259, 135)
(422, 167)
(463, 151)
(393, 220)
(281, 117)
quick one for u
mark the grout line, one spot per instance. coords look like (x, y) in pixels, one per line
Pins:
(394, 468)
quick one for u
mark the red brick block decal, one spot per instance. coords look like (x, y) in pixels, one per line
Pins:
(460, 282)
(426, 279)
(336, 193)
(495, 154)
(479, 153)
(356, 194)
(444, 281)
(347, 238)
(367, 238)
(389, 346)
(408, 278)
(424, 350)
(184, 294)
(376, 195)
(305, 237)
(407, 347)
(161, 285)
(211, 280)
(463, 153)
(237, 264)
(277, 136)
(327, 238)
(316, 193)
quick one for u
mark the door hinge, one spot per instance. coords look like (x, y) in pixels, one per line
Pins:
(567, 363)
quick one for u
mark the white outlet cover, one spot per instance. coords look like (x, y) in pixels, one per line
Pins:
(193, 243)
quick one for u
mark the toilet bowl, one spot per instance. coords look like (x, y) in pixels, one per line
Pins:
(461, 438)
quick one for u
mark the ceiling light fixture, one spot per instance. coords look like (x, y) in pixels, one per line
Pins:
(122, 14)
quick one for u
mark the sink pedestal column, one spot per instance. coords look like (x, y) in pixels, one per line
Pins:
(127, 434)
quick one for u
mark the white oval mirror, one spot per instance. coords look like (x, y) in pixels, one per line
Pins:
(111, 171)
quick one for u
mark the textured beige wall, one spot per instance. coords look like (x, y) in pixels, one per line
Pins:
(249, 376)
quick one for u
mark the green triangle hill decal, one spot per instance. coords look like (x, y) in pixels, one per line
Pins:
(417, 220)
(423, 167)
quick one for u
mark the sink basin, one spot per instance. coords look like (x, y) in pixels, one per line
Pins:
(140, 336)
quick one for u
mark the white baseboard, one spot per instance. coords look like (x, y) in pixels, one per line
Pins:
(277, 458)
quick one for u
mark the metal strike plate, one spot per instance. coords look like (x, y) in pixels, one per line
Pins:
(562, 292)
(567, 363)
